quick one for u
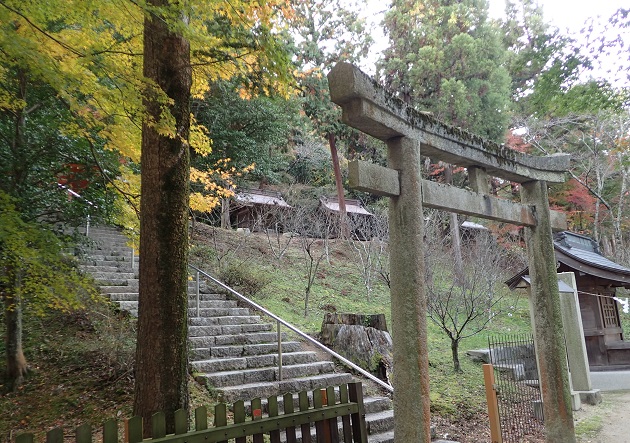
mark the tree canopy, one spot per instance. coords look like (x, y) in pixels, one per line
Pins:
(447, 58)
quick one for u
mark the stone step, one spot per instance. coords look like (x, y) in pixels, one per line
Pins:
(214, 330)
(129, 302)
(100, 228)
(113, 281)
(206, 304)
(117, 289)
(205, 295)
(112, 252)
(384, 437)
(133, 296)
(99, 250)
(132, 285)
(201, 353)
(104, 258)
(378, 416)
(226, 320)
(104, 268)
(236, 339)
(251, 362)
(380, 422)
(218, 312)
(268, 374)
(371, 405)
(129, 305)
(230, 394)
(120, 264)
(122, 296)
(118, 274)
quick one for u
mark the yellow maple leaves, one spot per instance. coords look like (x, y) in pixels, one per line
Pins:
(90, 53)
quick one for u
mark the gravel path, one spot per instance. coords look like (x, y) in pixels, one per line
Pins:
(605, 423)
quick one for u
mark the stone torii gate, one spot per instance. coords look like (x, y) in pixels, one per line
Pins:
(408, 134)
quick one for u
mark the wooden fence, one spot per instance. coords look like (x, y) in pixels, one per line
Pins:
(345, 402)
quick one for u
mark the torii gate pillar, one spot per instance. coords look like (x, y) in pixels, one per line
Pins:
(367, 107)
(408, 298)
(545, 301)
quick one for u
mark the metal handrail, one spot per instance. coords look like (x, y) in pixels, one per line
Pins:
(280, 321)
(75, 194)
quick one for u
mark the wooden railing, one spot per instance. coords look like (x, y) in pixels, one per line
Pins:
(328, 406)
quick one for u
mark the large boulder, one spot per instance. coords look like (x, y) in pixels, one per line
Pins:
(362, 339)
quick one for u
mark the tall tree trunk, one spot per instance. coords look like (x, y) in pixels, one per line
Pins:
(17, 368)
(225, 213)
(456, 246)
(161, 353)
(620, 253)
(344, 227)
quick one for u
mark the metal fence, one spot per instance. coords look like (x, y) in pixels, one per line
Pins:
(518, 391)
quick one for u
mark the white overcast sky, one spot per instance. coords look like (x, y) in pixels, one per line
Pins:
(569, 14)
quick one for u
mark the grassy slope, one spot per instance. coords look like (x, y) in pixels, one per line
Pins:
(82, 361)
(339, 287)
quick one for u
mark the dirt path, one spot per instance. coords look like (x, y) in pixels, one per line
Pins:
(605, 423)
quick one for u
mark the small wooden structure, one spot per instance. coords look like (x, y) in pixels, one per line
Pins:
(257, 210)
(361, 220)
(471, 232)
(597, 279)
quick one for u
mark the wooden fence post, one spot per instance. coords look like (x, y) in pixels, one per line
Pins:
(359, 429)
(110, 431)
(493, 406)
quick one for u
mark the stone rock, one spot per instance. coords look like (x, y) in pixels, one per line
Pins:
(354, 338)
(376, 321)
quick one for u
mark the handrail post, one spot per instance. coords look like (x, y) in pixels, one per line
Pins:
(133, 256)
(197, 291)
(87, 226)
(279, 352)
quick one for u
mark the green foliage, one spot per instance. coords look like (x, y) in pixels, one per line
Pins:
(34, 269)
(245, 278)
(548, 67)
(447, 58)
(246, 130)
(312, 164)
(37, 152)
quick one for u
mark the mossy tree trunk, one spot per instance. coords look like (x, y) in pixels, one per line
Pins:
(161, 354)
(17, 367)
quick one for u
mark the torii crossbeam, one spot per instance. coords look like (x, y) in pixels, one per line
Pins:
(408, 134)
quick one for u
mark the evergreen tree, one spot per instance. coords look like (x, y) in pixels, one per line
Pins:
(552, 72)
(328, 32)
(447, 58)
(246, 130)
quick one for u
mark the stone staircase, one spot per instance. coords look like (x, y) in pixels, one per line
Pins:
(233, 351)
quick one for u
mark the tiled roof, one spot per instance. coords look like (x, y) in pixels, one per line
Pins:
(352, 206)
(581, 253)
(572, 245)
(248, 198)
